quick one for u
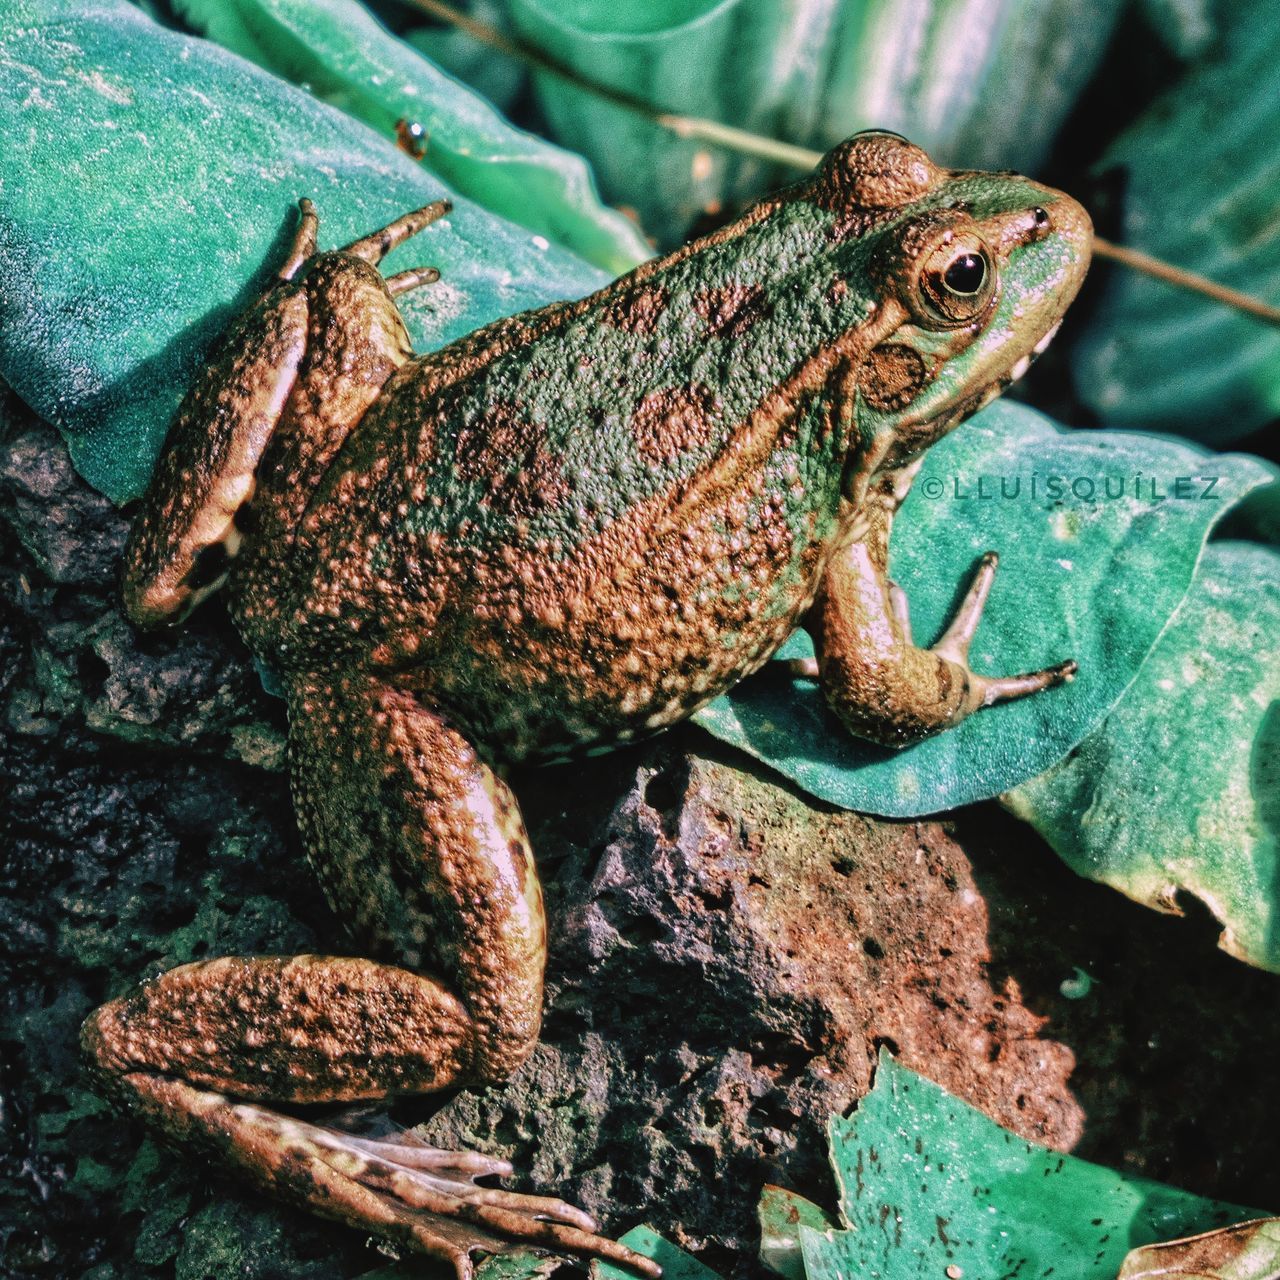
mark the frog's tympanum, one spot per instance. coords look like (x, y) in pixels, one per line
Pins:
(561, 533)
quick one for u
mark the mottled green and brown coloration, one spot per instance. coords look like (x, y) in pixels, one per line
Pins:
(565, 531)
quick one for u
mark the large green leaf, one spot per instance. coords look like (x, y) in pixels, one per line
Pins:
(1096, 580)
(148, 186)
(1201, 190)
(978, 84)
(929, 1186)
(337, 50)
(1179, 789)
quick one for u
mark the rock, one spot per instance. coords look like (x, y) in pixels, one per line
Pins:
(192, 687)
(724, 970)
(727, 957)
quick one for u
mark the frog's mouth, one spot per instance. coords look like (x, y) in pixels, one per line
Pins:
(915, 431)
(970, 405)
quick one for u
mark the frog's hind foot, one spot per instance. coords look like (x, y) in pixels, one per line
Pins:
(432, 1194)
(419, 1198)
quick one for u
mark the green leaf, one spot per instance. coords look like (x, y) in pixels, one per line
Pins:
(461, 55)
(927, 1182)
(148, 188)
(1179, 790)
(675, 1263)
(340, 53)
(1186, 26)
(1245, 1251)
(1095, 580)
(976, 85)
(782, 1213)
(1202, 197)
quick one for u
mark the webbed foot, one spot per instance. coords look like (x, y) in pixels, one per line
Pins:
(433, 1195)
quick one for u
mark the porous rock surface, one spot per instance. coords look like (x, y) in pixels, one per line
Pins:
(727, 957)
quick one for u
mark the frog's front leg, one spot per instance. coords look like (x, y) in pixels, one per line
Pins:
(422, 850)
(875, 678)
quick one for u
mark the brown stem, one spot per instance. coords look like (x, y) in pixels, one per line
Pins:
(746, 143)
(1144, 262)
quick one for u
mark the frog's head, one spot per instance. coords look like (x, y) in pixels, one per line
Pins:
(971, 273)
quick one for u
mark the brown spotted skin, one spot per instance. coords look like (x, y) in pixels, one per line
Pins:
(567, 530)
(177, 554)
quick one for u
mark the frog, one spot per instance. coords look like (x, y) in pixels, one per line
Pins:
(560, 534)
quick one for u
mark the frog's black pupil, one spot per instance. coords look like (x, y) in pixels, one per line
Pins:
(966, 273)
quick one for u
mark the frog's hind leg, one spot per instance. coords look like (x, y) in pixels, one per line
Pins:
(421, 848)
(880, 684)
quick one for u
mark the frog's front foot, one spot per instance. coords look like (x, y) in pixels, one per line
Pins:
(953, 648)
(881, 685)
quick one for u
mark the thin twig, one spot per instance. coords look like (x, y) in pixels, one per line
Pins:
(1176, 276)
(744, 142)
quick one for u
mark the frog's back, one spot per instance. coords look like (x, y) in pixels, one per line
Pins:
(551, 427)
(569, 507)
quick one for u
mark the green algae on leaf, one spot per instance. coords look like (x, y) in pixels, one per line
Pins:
(1200, 190)
(340, 53)
(928, 1183)
(148, 187)
(1082, 575)
(1178, 791)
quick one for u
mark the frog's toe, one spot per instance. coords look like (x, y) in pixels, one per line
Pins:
(433, 1195)
(957, 638)
(373, 248)
(414, 278)
(986, 691)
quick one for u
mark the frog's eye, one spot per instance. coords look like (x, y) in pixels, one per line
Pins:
(966, 275)
(958, 280)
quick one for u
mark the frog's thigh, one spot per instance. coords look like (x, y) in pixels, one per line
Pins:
(875, 678)
(422, 852)
(421, 849)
